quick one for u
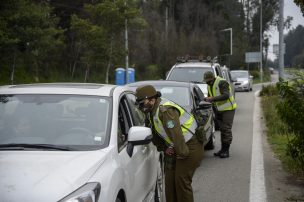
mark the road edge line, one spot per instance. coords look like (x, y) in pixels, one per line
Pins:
(257, 176)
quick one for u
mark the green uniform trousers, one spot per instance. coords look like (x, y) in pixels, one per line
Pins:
(178, 180)
(225, 121)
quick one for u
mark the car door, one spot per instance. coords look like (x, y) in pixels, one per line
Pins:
(150, 161)
(135, 168)
(207, 114)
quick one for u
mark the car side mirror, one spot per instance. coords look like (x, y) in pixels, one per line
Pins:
(251, 77)
(204, 105)
(138, 135)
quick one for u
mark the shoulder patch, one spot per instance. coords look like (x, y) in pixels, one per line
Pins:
(162, 108)
(170, 124)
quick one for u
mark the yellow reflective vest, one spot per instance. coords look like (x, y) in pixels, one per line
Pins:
(224, 105)
(187, 122)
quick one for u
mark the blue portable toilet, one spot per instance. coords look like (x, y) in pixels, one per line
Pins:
(120, 77)
(131, 75)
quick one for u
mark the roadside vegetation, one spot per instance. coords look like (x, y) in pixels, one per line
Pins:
(84, 40)
(283, 106)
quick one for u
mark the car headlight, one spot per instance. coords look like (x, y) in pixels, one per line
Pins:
(87, 193)
(245, 82)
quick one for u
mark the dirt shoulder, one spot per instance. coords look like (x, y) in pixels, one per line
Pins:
(280, 185)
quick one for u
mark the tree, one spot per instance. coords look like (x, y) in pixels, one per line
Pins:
(294, 41)
(300, 3)
(29, 39)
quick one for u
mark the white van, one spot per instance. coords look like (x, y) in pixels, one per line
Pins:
(193, 71)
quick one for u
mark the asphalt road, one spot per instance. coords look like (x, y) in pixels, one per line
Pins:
(228, 180)
(252, 173)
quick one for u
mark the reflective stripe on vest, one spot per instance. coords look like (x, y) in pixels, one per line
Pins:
(186, 120)
(225, 105)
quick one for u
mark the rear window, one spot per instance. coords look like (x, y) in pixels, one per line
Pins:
(194, 74)
(174, 94)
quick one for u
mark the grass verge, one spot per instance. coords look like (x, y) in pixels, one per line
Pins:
(278, 135)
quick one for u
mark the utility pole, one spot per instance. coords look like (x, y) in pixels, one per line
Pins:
(126, 46)
(167, 21)
(261, 41)
(231, 43)
(281, 40)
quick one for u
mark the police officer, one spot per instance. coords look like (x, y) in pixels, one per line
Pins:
(219, 93)
(173, 133)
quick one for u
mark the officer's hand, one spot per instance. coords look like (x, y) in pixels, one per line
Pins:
(169, 151)
(208, 99)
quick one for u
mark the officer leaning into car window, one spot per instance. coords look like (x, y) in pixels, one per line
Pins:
(173, 130)
(219, 93)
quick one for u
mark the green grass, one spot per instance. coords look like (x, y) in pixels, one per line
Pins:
(278, 135)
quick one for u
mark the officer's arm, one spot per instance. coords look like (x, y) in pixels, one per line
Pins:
(171, 115)
(224, 90)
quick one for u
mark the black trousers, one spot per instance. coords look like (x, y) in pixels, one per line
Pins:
(225, 121)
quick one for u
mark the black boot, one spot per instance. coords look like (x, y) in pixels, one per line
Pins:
(225, 151)
(219, 152)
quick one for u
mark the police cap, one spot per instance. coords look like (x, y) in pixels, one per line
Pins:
(145, 91)
(208, 76)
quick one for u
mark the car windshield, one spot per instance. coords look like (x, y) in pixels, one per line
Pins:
(74, 121)
(188, 74)
(174, 94)
(239, 74)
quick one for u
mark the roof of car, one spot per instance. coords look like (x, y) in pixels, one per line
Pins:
(59, 88)
(238, 70)
(161, 82)
(194, 64)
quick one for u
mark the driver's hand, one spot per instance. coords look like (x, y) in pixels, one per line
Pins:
(169, 151)
(208, 99)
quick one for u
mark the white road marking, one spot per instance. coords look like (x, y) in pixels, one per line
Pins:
(257, 180)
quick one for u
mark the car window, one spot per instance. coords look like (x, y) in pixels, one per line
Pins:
(174, 93)
(73, 120)
(240, 74)
(188, 74)
(198, 95)
(218, 71)
(128, 115)
(124, 124)
(137, 115)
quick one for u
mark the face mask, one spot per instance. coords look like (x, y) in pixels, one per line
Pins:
(210, 83)
(146, 108)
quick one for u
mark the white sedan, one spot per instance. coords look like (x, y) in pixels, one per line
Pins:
(243, 81)
(75, 142)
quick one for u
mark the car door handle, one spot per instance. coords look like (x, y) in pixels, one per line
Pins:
(144, 149)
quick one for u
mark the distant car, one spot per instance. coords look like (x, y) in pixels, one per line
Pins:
(192, 70)
(227, 76)
(271, 70)
(243, 80)
(75, 142)
(188, 95)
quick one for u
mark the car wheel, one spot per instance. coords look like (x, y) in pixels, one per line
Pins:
(159, 187)
(211, 141)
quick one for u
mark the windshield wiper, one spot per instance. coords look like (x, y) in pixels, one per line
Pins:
(21, 146)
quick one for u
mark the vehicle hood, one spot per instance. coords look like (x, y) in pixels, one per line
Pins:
(242, 79)
(45, 175)
(204, 88)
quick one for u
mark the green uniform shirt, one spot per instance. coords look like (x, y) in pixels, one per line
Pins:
(169, 113)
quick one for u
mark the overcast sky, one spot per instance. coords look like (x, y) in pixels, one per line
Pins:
(290, 9)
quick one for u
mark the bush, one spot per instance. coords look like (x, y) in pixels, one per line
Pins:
(269, 90)
(290, 109)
